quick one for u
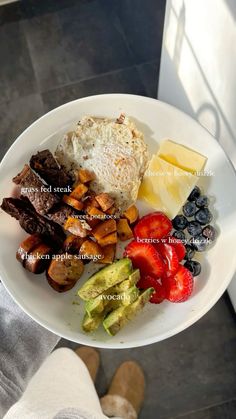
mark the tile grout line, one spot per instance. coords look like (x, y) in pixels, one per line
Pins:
(203, 409)
(95, 76)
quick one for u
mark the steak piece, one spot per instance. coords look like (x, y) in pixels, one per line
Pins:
(34, 189)
(32, 222)
(60, 213)
(49, 170)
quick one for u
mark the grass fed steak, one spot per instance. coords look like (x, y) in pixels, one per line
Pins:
(35, 190)
(49, 170)
(32, 222)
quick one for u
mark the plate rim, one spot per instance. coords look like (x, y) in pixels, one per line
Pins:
(136, 343)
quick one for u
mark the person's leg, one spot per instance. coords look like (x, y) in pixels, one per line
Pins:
(62, 382)
(24, 346)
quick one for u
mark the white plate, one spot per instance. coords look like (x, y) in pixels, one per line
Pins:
(56, 311)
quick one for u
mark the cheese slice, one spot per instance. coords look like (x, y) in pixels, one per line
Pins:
(166, 187)
(182, 157)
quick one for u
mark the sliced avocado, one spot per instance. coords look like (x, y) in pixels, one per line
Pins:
(95, 305)
(127, 283)
(129, 296)
(106, 278)
(111, 299)
(122, 299)
(119, 317)
(89, 324)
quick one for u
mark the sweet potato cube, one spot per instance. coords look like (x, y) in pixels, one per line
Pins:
(111, 211)
(73, 202)
(109, 239)
(72, 244)
(104, 200)
(131, 214)
(109, 254)
(90, 202)
(85, 175)
(104, 228)
(79, 191)
(91, 250)
(95, 216)
(96, 213)
(123, 229)
(75, 226)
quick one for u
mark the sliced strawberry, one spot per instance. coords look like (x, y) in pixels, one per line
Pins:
(179, 287)
(170, 257)
(159, 294)
(152, 226)
(146, 258)
(179, 247)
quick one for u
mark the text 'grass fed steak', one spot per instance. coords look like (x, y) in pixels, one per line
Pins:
(49, 170)
(32, 222)
(35, 190)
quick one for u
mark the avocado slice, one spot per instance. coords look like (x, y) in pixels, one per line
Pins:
(111, 300)
(106, 278)
(122, 299)
(127, 283)
(95, 305)
(90, 324)
(119, 317)
(128, 296)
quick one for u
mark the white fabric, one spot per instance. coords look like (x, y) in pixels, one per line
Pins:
(62, 382)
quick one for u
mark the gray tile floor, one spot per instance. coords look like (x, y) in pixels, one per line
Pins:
(56, 51)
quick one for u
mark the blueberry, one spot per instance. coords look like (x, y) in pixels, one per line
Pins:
(203, 216)
(194, 267)
(202, 201)
(189, 209)
(180, 222)
(209, 232)
(178, 234)
(199, 243)
(190, 252)
(194, 228)
(194, 194)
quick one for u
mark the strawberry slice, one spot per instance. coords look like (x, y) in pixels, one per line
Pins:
(159, 294)
(170, 257)
(179, 287)
(179, 247)
(152, 226)
(146, 258)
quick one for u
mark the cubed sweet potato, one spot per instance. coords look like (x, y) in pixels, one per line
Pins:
(79, 191)
(85, 175)
(111, 211)
(75, 226)
(96, 216)
(109, 239)
(73, 202)
(104, 228)
(72, 244)
(131, 214)
(90, 202)
(104, 200)
(91, 250)
(109, 254)
(123, 229)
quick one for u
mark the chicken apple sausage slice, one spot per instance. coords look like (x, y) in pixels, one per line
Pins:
(64, 272)
(38, 259)
(27, 246)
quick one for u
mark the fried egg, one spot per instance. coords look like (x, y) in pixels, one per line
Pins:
(114, 150)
